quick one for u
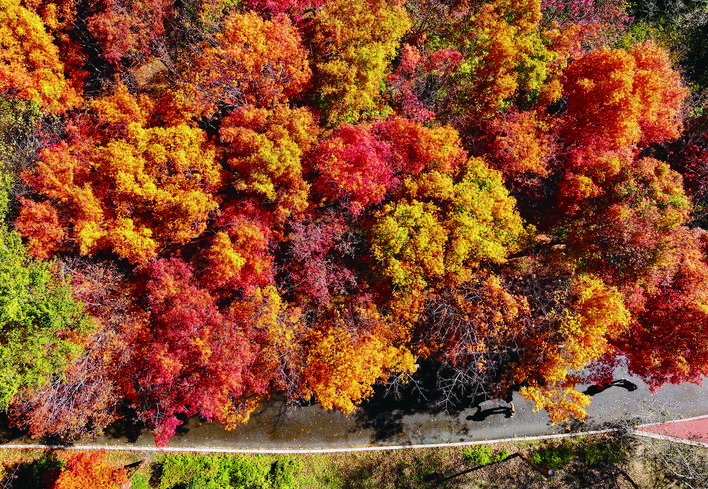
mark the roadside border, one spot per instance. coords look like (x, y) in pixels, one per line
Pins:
(275, 451)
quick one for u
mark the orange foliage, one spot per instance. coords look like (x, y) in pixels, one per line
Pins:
(40, 221)
(343, 365)
(89, 470)
(618, 98)
(252, 61)
(521, 143)
(30, 67)
(132, 189)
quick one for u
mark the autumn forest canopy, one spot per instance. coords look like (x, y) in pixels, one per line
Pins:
(207, 203)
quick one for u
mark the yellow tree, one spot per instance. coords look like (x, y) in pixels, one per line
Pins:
(590, 314)
(30, 67)
(447, 227)
(124, 186)
(352, 45)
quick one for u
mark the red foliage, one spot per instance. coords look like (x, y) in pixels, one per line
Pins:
(416, 148)
(359, 165)
(353, 167)
(410, 83)
(127, 28)
(667, 341)
(626, 224)
(315, 260)
(191, 358)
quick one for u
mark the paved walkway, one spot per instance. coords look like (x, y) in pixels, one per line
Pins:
(692, 429)
(275, 427)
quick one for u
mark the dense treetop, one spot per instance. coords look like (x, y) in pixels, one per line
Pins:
(206, 203)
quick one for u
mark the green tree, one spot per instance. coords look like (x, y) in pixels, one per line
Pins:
(39, 321)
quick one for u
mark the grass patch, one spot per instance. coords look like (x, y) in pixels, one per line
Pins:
(187, 471)
(555, 456)
(482, 455)
(577, 461)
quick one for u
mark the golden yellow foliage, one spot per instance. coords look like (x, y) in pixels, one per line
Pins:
(342, 368)
(30, 67)
(135, 190)
(597, 314)
(353, 43)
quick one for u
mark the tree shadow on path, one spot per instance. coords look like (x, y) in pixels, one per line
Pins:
(383, 412)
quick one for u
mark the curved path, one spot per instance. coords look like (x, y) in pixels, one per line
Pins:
(277, 428)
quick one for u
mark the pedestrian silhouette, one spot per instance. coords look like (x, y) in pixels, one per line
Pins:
(597, 388)
(624, 383)
(481, 415)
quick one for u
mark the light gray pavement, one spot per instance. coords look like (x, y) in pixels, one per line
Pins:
(274, 426)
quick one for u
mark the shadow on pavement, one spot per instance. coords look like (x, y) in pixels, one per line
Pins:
(481, 414)
(127, 426)
(624, 383)
(9, 433)
(383, 412)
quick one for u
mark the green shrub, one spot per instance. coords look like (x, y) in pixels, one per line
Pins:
(225, 472)
(482, 455)
(555, 457)
(603, 452)
(213, 472)
(282, 474)
(140, 481)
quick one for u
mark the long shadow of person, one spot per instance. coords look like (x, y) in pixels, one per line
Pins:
(481, 415)
(597, 388)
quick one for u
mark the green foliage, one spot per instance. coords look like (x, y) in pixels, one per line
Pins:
(601, 452)
(36, 474)
(140, 481)
(555, 457)
(225, 472)
(482, 455)
(38, 317)
(282, 474)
